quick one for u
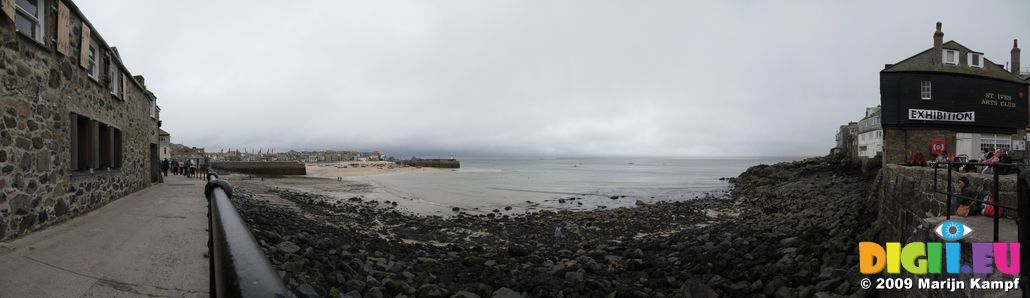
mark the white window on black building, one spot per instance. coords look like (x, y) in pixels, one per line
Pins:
(976, 60)
(993, 142)
(29, 18)
(924, 90)
(951, 57)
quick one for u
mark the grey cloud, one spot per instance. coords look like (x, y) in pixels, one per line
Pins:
(669, 78)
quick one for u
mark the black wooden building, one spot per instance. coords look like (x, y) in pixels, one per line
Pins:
(952, 93)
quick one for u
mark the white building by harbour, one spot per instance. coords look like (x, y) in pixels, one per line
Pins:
(870, 133)
(165, 140)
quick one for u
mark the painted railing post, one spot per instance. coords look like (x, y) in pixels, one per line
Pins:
(1022, 203)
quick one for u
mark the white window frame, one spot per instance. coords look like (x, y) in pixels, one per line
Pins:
(945, 56)
(94, 60)
(38, 19)
(926, 90)
(116, 80)
(979, 59)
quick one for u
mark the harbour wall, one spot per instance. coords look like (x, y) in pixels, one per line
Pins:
(261, 167)
(432, 163)
(907, 198)
(909, 210)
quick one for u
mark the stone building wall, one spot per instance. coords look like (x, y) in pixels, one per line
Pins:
(39, 89)
(898, 142)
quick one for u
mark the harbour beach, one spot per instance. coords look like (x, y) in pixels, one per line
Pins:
(510, 186)
(372, 248)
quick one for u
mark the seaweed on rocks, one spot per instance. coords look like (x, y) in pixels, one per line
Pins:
(790, 229)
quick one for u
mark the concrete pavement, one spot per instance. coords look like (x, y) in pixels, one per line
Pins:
(150, 243)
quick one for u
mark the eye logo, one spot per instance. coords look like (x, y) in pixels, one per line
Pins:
(952, 230)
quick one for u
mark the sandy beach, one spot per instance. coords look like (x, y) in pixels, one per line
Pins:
(362, 168)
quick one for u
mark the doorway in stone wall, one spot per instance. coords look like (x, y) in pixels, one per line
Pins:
(155, 164)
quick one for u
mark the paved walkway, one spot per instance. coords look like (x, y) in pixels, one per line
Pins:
(151, 243)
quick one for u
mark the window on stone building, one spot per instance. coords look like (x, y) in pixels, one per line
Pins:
(924, 90)
(116, 81)
(82, 136)
(104, 147)
(153, 109)
(116, 156)
(94, 145)
(93, 68)
(29, 18)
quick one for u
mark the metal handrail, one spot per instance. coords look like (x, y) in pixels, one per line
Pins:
(1023, 195)
(238, 266)
(994, 188)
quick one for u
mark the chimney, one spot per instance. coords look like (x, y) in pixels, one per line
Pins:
(1014, 66)
(938, 41)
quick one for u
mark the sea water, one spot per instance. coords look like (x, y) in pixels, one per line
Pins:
(482, 185)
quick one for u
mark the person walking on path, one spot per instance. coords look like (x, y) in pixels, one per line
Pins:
(165, 165)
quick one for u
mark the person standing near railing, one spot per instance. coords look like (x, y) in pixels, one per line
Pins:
(993, 160)
(965, 190)
(942, 160)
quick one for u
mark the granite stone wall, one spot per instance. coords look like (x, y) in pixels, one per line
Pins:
(39, 89)
(898, 142)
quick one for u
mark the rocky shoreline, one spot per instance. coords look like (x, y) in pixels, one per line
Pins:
(789, 230)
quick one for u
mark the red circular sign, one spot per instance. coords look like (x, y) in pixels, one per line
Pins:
(937, 146)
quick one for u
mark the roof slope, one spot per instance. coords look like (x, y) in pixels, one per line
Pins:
(925, 61)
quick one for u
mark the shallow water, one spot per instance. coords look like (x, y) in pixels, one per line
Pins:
(482, 185)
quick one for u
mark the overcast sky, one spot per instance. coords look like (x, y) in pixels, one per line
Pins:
(534, 78)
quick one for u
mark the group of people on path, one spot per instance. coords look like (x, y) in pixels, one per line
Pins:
(987, 156)
(187, 168)
(965, 188)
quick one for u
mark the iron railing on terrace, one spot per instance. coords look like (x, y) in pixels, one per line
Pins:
(996, 173)
(1022, 203)
(238, 267)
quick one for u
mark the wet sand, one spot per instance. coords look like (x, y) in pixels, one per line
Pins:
(498, 201)
(362, 168)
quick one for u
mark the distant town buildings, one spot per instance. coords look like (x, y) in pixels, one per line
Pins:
(846, 142)
(870, 134)
(864, 138)
(301, 156)
(165, 140)
(952, 98)
(184, 153)
(78, 129)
